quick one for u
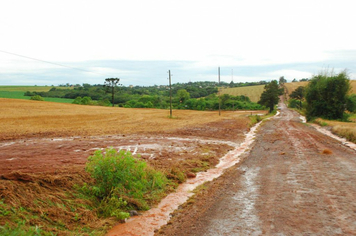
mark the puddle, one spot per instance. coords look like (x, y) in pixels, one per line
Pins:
(303, 119)
(153, 219)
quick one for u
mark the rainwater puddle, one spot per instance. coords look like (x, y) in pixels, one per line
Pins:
(152, 220)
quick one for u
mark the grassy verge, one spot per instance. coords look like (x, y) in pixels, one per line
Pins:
(343, 129)
(254, 119)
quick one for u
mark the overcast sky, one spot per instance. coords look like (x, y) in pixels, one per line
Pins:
(140, 40)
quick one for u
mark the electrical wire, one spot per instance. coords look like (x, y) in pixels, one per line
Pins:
(49, 62)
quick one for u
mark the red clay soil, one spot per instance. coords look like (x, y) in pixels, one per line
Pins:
(294, 181)
(48, 155)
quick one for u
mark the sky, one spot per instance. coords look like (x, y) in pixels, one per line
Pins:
(54, 42)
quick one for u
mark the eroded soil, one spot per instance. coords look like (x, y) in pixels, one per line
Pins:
(294, 181)
(185, 146)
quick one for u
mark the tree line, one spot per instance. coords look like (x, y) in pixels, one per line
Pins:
(192, 95)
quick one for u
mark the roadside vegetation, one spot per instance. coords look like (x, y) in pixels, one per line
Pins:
(328, 99)
(114, 186)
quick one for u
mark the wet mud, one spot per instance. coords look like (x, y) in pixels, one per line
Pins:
(294, 181)
(149, 222)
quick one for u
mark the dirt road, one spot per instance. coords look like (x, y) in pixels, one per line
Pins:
(294, 181)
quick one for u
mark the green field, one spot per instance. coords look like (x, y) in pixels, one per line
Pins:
(17, 92)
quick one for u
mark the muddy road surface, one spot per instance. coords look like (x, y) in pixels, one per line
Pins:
(293, 181)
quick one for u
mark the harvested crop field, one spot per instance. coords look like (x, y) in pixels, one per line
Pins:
(26, 119)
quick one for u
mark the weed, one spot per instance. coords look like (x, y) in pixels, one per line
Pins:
(118, 176)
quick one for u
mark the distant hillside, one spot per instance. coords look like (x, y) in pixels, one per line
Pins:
(253, 92)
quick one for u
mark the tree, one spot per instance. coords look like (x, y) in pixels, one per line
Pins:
(299, 95)
(270, 95)
(326, 95)
(183, 95)
(282, 80)
(223, 99)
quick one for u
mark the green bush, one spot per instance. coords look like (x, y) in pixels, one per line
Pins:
(326, 95)
(83, 101)
(119, 176)
(37, 98)
(293, 103)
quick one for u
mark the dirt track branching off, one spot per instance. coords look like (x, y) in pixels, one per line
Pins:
(45, 146)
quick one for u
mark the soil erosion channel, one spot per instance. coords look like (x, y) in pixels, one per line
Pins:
(294, 181)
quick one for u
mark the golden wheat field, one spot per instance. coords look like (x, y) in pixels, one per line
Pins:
(253, 92)
(292, 86)
(26, 118)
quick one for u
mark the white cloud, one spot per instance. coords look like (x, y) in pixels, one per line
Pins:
(203, 34)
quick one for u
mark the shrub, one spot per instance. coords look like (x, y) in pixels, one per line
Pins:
(37, 98)
(326, 95)
(83, 101)
(104, 102)
(119, 176)
(293, 103)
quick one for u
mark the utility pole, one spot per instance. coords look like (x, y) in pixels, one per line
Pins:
(112, 82)
(170, 94)
(219, 91)
(232, 75)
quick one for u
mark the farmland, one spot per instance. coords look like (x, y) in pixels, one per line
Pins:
(45, 147)
(17, 92)
(253, 92)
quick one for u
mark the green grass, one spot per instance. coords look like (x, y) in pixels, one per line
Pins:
(353, 117)
(13, 94)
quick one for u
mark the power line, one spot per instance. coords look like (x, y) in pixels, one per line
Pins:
(49, 62)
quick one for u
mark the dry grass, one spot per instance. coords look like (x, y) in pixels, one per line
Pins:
(343, 129)
(22, 118)
(353, 86)
(346, 130)
(253, 92)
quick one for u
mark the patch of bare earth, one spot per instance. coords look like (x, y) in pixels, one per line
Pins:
(294, 181)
